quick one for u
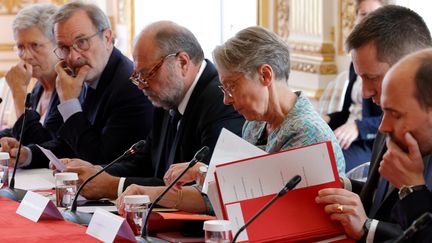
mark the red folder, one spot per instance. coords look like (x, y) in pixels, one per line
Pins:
(293, 217)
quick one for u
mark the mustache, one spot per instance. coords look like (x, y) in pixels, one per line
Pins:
(79, 63)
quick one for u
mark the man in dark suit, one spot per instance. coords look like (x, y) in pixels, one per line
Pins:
(378, 42)
(102, 112)
(356, 134)
(171, 70)
(407, 164)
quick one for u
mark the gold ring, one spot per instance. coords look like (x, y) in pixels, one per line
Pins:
(339, 209)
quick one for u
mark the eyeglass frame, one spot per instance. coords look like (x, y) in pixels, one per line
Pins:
(75, 45)
(229, 90)
(136, 79)
(32, 49)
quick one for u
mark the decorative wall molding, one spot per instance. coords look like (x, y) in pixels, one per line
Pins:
(282, 18)
(11, 7)
(346, 23)
(314, 68)
(7, 46)
(324, 52)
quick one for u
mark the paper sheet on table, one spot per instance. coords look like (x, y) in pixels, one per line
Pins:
(59, 165)
(229, 147)
(34, 179)
(92, 209)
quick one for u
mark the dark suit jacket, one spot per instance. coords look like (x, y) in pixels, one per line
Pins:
(34, 130)
(367, 126)
(407, 210)
(202, 121)
(387, 227)
(116, 115)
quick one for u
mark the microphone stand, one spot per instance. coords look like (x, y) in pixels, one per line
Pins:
(418, 225)
(84, 218)
(11, 192)
(199, 156)
(289, 186)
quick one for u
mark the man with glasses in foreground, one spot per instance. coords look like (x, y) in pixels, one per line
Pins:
(103, 113)
(171, 70)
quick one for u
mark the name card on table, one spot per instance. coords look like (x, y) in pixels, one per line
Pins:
(35, 206)
(105, 226)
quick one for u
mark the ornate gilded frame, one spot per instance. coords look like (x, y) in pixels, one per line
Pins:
(346, 22)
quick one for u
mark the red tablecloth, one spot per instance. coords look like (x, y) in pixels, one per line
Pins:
(15, 228)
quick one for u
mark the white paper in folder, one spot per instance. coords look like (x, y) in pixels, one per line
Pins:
(229, 147)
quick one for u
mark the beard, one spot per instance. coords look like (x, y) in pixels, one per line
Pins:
(170, 95)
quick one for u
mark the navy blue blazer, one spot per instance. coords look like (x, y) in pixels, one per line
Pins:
(202, 121)
(113, 118)
(387, 228)
(414, 205)
(34, 130)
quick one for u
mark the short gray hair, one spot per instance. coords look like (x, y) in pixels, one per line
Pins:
(175, 38)
(252, 47)
(36, 15)
(97, 16)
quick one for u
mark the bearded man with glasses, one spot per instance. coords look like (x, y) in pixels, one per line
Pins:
(171, 70)
(103, 113)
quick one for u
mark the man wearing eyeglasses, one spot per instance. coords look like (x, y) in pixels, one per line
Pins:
(171, 70)
(103, 113)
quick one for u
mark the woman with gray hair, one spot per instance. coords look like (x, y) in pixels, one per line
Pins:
(254, 68)
(33, 33)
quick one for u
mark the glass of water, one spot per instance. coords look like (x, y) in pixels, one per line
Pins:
(4, 169)
(136, 210)
(66, 187)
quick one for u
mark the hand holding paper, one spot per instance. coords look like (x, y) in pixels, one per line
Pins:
(53, 159)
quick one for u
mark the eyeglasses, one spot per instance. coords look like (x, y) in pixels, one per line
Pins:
(229, 89)
(138, 78)
(33, 47)
(79, 45)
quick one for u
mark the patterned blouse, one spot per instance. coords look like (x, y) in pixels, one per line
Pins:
(303, 126)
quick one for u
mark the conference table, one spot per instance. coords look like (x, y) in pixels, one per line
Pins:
(16, 228)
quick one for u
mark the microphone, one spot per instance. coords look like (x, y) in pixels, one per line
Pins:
(418, 225)
(11, 192)
(84, 218)
(289, 186)
(199, 156)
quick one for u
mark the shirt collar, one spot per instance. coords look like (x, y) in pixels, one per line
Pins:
(182, 106)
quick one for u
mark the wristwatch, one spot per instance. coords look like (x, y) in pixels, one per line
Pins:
(404, 191)
(366, 227)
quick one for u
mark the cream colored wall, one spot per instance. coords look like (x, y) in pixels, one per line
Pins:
(312, 28)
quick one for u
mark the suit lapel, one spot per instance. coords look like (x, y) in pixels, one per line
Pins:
(368, 191)
(206, 77)
(161, 144)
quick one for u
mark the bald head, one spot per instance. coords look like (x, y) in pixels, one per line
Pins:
(407, 102)
(164, 37)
